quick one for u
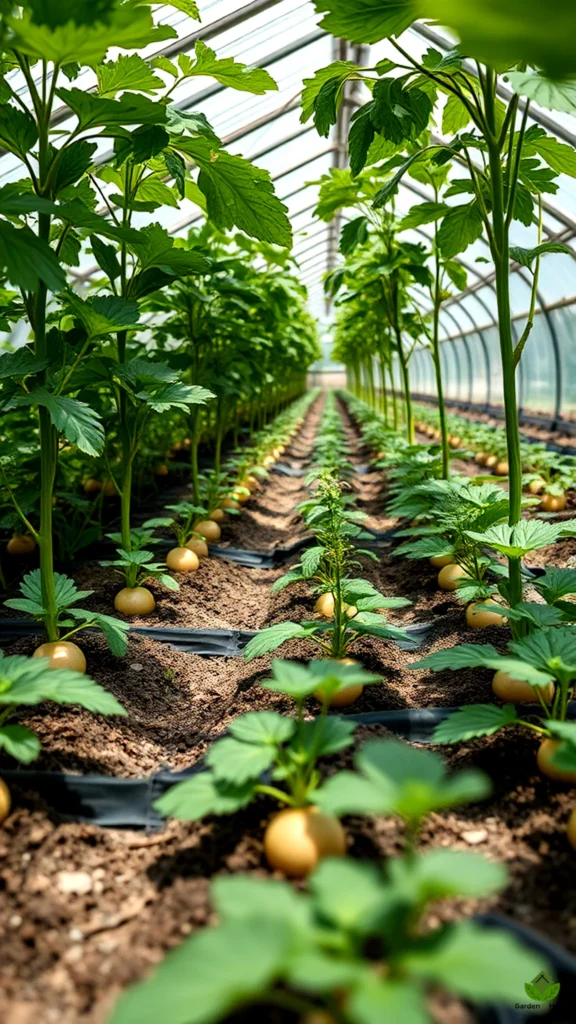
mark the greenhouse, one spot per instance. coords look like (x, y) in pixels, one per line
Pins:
(287, 496)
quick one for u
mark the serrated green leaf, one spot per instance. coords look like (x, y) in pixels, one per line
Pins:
(127, 72)
(79, 424)
(461, 227)
(350, 895)
(474, 720)
(238, 194)
(273, 636)
(367, 22)
(19, 742)
(236, 762)
(129, 28)
(423, 213)
(226, 70)
(526, 257)
(28, 259)
(263, 728)
(203, 794)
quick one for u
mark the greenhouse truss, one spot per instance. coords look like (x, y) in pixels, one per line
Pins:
(283, 36)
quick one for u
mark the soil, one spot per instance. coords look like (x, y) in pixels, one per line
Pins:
(86, 911)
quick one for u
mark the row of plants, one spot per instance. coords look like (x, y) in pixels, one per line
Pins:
(223, 493)
(551, 474)
(348, 606)
(460, 527)
(93, 392)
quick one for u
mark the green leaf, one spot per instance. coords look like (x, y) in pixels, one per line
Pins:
(339, 69)
(226, 70)
(273, 636)
(367, 21)
(19, 742)
(20, 364)
(546, 93)
(79, 424)
(463, 656)
(361, 138)
(241, 896)
(505, 35)
(383, 195)
(397, 779)
(238, 193)
(517, 541)
(175, 396)
(474, 720)
(423, 213)
(203, 794)
(103, 314)
(236, 762)
(526, 257)
(327, 736)
(460, 228)
(352, 896)
(554, 584)
(559, 156)
(18, 131)
(115, 631)
(478, 964)
(354, 233)
(32, 681)
(127, 72)
(130, 28)
(106, 257)
(27, 259)
(374, 1001)
(455, 116)
(94, 111)
(442, 874)
(263, 728)
(209, 975)
(457, 274)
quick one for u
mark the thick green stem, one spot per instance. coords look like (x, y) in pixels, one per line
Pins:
(501, 257)
(48, 459)
(194, 469)
(436, 356)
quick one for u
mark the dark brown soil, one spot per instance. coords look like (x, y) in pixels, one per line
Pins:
(86, 911)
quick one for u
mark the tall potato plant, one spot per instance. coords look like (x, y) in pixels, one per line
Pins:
(46, 215)
(507, 163)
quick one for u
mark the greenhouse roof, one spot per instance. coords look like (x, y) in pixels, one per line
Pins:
(284, 37)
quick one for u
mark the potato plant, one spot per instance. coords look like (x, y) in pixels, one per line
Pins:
(354, 946)
(287, 750)
(507, 163)
(354, 604)
(25, 682)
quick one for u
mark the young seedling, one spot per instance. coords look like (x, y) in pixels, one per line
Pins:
(136, 567)
(355, 947)
(538, 669)
(288, 749)
(28, 681)
(190, 543)
(354, 604)
(69, 620)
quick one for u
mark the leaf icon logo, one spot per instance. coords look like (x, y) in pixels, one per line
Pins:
(541, 990)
